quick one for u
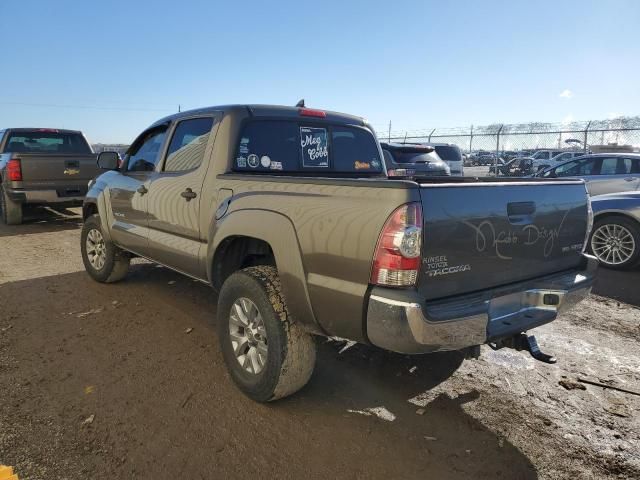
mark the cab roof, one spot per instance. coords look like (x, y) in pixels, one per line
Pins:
(270, 111)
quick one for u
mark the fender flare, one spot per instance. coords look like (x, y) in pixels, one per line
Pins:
(96, 197)
(279, 232)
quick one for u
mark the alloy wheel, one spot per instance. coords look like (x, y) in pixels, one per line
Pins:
(248, 335)
(96, 249)
(613, 244)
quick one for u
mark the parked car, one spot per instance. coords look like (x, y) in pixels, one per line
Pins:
(288, 213)
(486, 158)
(411, 159)
(452, 155)
(503, 168)
(603, 172)
(523, 166)
(545, 154)
(43, 166)
(615, 238)
(540, 164)
(508, 155)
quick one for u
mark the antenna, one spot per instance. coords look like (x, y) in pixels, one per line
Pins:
(300, 104)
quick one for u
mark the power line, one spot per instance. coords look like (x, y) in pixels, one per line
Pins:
(89, 107)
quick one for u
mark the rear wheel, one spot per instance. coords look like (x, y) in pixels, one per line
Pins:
(103, 261)
(267, 354)
(10, 211)
(615, 241)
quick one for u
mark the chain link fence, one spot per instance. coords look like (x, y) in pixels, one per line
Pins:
(622, 134)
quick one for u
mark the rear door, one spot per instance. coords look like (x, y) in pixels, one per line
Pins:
(128, 192)
(614, 175)
(174, 196)
(482, 235)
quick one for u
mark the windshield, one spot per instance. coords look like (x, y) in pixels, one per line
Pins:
(46, 142)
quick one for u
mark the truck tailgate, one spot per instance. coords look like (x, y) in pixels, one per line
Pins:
(482, 235)
(49, 171)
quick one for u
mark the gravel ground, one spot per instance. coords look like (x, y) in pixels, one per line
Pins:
(103, 381)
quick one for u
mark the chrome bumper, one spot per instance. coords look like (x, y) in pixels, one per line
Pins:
(407, 325)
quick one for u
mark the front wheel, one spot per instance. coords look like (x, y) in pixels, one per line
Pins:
(268, 355)
(103, 261)
(615, 241)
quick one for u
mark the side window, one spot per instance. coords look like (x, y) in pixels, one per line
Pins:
(188, 143)
(580, 167)
(615, 166)
(635, 165)
(145, 156)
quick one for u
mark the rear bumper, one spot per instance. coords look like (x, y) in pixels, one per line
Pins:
(398, 320)
(35, 197)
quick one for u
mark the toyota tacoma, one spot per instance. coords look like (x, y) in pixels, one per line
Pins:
(288, 213)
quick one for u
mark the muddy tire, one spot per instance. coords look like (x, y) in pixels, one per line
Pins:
(267, 354)
(10, 211)
(615, 241)
(103, 261)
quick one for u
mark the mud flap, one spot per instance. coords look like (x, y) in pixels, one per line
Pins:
(525, 342)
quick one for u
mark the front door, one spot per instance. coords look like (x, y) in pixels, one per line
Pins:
(128, 193)
(174, 196)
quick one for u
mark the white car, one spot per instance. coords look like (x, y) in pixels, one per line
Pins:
(543, 160)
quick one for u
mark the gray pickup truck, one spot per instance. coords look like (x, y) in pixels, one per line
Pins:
(43, 166)
(288, 213)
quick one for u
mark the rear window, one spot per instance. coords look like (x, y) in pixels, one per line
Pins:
(398, 156)
(288, 146)
(46, 142)
(449, 153)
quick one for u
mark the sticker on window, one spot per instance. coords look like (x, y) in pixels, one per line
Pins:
(253, 160)
(314, 144)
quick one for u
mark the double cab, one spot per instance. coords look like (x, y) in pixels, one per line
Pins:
(289, 214)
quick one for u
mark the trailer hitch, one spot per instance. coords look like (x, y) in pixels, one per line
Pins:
(526, 342)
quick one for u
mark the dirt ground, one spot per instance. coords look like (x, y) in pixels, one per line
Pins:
(103, 381)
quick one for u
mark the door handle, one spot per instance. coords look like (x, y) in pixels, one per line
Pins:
(142, 190)
(629, 179)
(188, 194)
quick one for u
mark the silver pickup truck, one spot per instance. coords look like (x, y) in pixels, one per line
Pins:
(289, 214)
(43, 166)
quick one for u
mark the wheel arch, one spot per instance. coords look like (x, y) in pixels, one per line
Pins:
(615, 213)
(252, 237)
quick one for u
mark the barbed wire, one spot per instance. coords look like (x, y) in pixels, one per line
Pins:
(619, 123)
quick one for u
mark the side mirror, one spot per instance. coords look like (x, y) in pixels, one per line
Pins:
(109, 160)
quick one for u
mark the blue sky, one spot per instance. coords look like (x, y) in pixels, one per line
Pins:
(110, 68)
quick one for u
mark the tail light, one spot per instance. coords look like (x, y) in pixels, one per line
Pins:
(14, 170)
(397, 258)
(310, 112)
